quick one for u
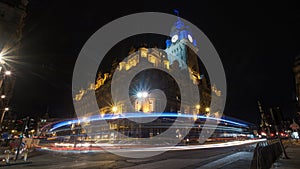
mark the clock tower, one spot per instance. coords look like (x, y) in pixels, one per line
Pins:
(181, 48)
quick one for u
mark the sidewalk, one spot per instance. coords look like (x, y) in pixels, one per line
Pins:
(239, 160)
(242, 160)
(293, 152)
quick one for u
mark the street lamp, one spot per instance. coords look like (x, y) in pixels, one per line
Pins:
(207, 109)
(145, 94)
(142, 94)
(2, 117)
(142, 99)
(114, 109)
(198, 106)
(3, 96)
(8, 72)
(1, 58)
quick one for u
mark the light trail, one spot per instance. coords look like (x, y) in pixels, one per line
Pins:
(118, 147)
(142, 115)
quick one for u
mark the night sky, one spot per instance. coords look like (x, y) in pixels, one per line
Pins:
(257, 44)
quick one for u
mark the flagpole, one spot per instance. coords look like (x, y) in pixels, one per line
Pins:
(176, 12)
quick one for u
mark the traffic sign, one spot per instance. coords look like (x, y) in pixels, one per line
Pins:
(294, 125)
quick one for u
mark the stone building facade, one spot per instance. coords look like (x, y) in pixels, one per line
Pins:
(179, 55)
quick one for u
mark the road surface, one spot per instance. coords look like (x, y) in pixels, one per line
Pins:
(187, 159)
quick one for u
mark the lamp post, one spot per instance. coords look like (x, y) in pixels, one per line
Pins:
(142, 96)
(6, 73)
(275, 114)
(2, 117)
(114, 109)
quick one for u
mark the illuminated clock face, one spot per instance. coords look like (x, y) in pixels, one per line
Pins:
(174, 38)
(190, 38)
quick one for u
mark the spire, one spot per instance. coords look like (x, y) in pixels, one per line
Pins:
(179, 24)
(176, 12)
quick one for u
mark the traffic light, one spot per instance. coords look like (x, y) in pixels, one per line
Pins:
(19, 125)
(31, 127)
(31, 124)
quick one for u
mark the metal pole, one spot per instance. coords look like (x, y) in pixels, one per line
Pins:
(281, 145)
(278, 135)
(2, 117)
(2, 78)
(21, 137)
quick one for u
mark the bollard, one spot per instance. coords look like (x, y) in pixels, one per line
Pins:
(7, 152)
(25, 154)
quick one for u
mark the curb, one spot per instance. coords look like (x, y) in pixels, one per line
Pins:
(15, 163)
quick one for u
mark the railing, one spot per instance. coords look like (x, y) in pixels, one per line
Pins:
(265, 154)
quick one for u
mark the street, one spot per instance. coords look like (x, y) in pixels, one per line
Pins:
(187, 159)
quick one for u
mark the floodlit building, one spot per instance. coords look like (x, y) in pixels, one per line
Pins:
(178, 56)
